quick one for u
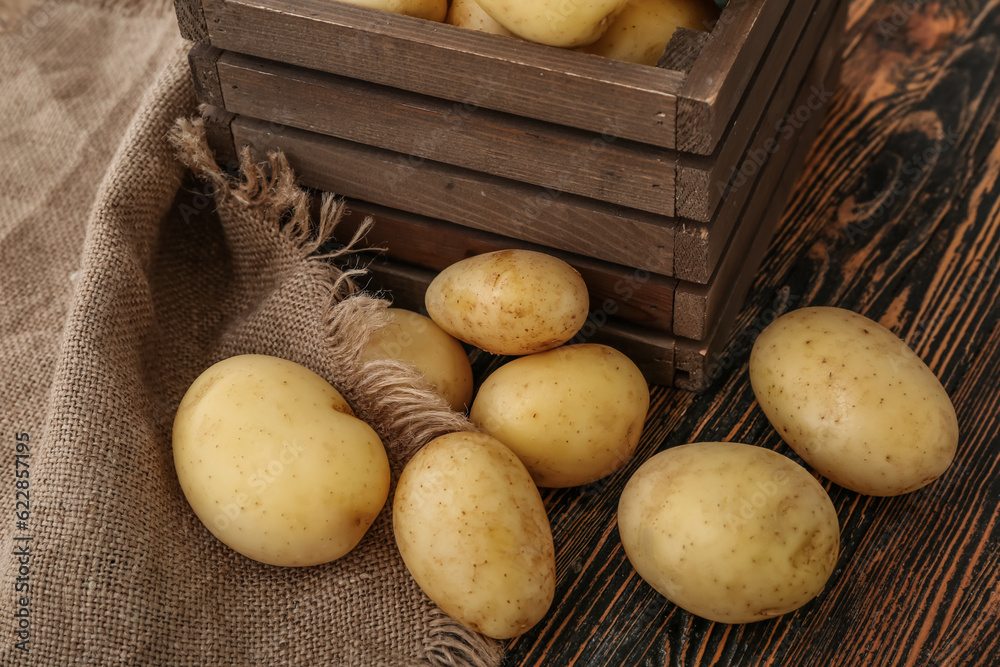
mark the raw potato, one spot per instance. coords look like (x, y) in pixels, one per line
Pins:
(512, 302)
(730, 532)
(274, 463)
(472, 530)
(854, 401)
(640, 33)
(415, 339)
(554, 22)
(572, 415)
(432, 10)
(468, 14)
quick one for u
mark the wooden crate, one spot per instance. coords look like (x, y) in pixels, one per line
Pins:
(660, 184)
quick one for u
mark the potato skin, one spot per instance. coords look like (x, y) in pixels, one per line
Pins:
(572, 415)
(640, 32)
(417, 340)
(511, 302)
(274, 463)
(554, 22)
(730, 532)
(472, 530)
(432, 10)
(468, 14)
(854, 401)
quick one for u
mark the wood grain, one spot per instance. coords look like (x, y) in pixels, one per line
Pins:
(490, 71)
(191, 20)
(715, 84)
(548, 217)
(204, 62)
(703, 179)
(700, 306)
(432, 244)
(699, 247)
(896, 214)
(594, 165)
(683, 49)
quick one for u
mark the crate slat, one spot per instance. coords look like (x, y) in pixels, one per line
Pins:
(575, 89)
(623, 292)
(698, 306)
(714, 86)
(702, 179)
(529, 213)
(697, 364)
(698, 246)
(599, 166)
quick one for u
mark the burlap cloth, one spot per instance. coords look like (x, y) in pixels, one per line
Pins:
(122, 277)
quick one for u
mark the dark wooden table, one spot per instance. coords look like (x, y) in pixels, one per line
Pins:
(896, 216)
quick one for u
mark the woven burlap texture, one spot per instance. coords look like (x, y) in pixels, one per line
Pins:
(122, 277)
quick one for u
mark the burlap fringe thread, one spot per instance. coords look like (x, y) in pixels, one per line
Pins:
(389, 395)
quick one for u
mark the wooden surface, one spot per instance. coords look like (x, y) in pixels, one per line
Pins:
(896, 215)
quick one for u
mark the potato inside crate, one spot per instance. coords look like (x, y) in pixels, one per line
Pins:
(343, 123)
(686, 108)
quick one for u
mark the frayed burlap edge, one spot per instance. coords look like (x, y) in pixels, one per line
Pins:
(391, 396)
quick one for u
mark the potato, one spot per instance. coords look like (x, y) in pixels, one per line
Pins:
(468, 14)
(640, 33)
(730, 532)
(511, 302)
(554, 22)
(275, 464)
(853, 401)
(432, 10)
(572, 415)
(415, 339)
(472, 530)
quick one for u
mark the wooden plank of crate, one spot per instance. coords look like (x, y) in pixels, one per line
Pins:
(653, 353)
(698, 246)
(465, 66)
(697, 364)
(702, 179)
(716, 82)
(518, 210)
(191, 20)
(683, 49)
(620, 291)
(203, 60)
(219, 133)
(600, 166)
(698, 305)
